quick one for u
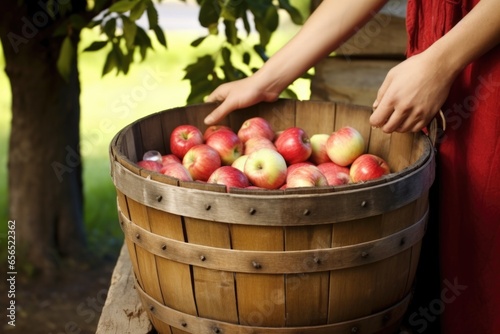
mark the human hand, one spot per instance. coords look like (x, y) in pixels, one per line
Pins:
(411, 94)
(237, 95)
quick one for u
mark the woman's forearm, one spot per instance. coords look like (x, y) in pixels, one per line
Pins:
(331, 24)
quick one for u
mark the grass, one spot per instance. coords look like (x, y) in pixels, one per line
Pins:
(107, 105)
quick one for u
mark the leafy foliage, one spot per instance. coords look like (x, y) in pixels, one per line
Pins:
(232, 62)
(124, 38)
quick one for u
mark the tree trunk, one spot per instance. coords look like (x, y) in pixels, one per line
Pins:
(44, 166)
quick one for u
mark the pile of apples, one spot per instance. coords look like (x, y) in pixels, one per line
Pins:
(257, 157)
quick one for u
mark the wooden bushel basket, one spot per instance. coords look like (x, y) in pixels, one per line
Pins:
(310, 260)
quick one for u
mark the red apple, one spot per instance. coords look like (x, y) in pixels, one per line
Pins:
(368, 167)
(294, 145)
(183, 137)
(167, 158)
(335, 174)
(345, 145)
(255, 127)
(214, 128)
(256, 143)
(266, 168)
(227, 144)
(154, 166)
(152, 155)
(230, 177)
(291, 168)
(201, 161)
(318, 146)
(306, 176)
(177, 170)
(239, 163)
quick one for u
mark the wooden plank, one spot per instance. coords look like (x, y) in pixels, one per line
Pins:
(123, 312)
(261, 297)
(354, 81)
(214, 289)
(307, 294)
(315, 116)
(351, 289)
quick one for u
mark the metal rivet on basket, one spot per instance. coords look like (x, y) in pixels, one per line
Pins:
(159, 198)
(364, 255)
(256, 265)
(386, 318)
(137, 236)
(203, 258)
(363, 204)
(184, 324)
(403, 241)
(317, 260)
(216, 330)
(252, 211)
(163, 247)
(122, 222)
(306, 212)
(354, 330)
(151, 308)
(208, 207)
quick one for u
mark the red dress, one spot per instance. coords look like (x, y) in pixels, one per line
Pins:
(468, 177)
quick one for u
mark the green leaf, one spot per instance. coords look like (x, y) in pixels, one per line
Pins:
(261, 51)
(65, 59)
(160, 35)
(246, 58)
(142, 38)
(122, 6)
(152, 15)
(129, 31)
(209, 13)
(292, 11)
(110, 63)
(97, 45)
(118, 55)
(110, 27)
(200, 69)
(198, 41)
(139, 9)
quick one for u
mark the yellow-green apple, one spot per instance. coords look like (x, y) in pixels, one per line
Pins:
(227, 143)
(266, 168)
(152, 155)
(183, 137)
(167, 158)
(239, 163)
(368, 167)
(255, 127)
(306, 176)
(177, 170)
(294, 145)
(318, 147)
(335, 174)
(345, 145)
(214, 128)
(256, 143)
(154, 166)
(230, 177)
(201, 160)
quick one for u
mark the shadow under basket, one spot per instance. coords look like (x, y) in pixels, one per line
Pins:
(306, 260)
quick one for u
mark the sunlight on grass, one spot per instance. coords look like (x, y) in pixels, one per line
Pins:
(110, 103)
